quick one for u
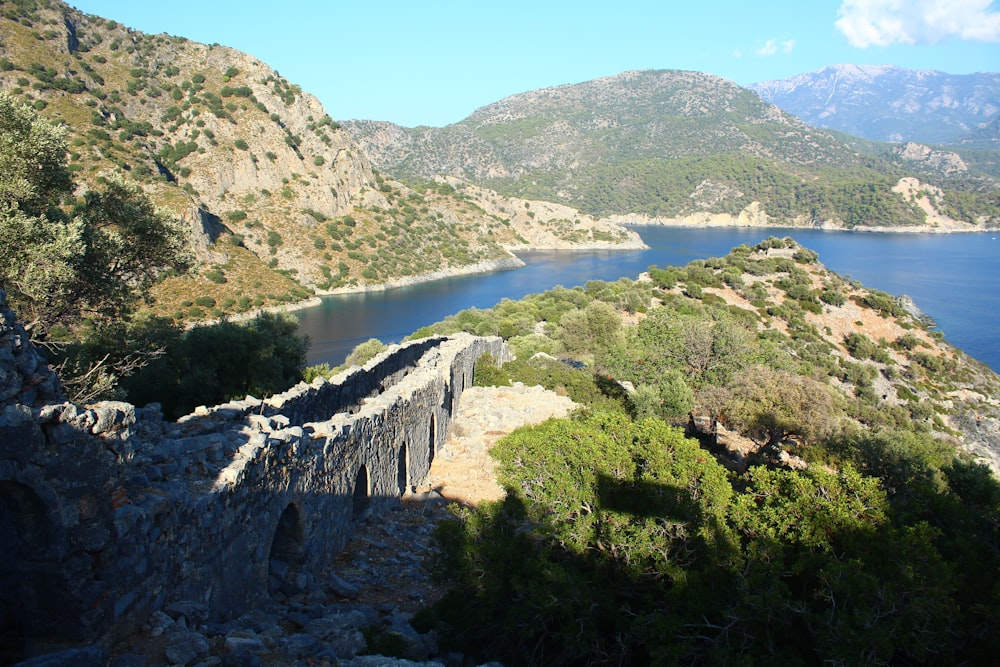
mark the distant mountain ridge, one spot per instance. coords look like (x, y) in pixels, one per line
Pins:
(670, 144)
(887, 103)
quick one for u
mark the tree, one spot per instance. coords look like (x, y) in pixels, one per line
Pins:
(590, 331)
(93, 260)
(772, 405)
(207, 365)
(706, 347)
(364, 352)
(33, 173)
(70, 271)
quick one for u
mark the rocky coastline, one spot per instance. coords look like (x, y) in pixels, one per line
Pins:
(753, 216)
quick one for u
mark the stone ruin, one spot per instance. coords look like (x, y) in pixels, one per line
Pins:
(109, 513)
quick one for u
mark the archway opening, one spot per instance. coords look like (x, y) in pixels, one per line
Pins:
(287, 548)
(361, 498)
(37, 612)
(402, 470)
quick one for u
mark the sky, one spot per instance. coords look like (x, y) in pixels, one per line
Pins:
(434, 62)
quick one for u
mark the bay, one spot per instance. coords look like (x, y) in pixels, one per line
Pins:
(954, 278)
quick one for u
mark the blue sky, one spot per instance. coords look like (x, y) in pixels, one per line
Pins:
(433, 62)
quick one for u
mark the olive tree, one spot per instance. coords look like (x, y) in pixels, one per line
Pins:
(70, 268)
(60, 264)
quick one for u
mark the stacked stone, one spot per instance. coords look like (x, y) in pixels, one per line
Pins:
(137, 512)
(24, 376)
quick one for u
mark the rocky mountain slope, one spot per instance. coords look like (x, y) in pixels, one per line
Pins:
(885, 103)
(669, 144)
(280, 200)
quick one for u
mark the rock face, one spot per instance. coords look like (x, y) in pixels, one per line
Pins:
(945, 162)
(244, 156)
(108, 513)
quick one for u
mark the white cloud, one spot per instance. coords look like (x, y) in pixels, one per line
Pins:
(773, 47)
(884, 22)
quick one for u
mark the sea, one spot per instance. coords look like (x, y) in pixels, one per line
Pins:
(953, 278)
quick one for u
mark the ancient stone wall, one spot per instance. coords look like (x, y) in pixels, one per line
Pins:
(108, 513)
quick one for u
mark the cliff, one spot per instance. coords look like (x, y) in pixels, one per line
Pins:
(280, 200)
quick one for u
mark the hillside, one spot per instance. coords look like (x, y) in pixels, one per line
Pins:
(775, 305)
(826, 504)
(671, 144)
(279, 199)
(885, 103)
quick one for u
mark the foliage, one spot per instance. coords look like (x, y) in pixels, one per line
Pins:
(75, 271)
(95, 260)
(706, 347)
(211, 364)
(603, 551)
(620, 542)
(310, 373)
(596, 525)
(771, 406)
(590, 332)
(364, 352)
(584, 387)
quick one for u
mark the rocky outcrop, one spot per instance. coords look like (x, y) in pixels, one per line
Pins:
(945, 162)
(753, 215)
(542, 225)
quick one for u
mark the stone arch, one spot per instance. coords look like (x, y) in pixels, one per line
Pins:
(37, 611)
(287, 548)
(361, 497)
(403, 469)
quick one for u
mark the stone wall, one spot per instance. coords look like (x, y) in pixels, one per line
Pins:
(108, 512)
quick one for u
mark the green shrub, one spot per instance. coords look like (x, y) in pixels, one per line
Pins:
(310, 373)
(215, 276)
(364, 352)
(205, 302)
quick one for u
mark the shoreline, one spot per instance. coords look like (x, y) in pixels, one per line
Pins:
(509, 263)
(514, 262)
(711, 221)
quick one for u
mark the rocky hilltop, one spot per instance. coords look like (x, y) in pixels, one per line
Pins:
(886, 103)
(673, 146)
(280, 200)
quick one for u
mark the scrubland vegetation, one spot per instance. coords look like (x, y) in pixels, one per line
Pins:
(849, 527)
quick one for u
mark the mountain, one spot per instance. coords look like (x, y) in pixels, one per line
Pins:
(672, 144)
(280, 200)
(885, 103)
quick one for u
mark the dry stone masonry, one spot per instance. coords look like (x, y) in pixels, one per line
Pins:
(108, 513)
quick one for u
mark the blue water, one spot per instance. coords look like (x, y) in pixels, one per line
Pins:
(954, 278)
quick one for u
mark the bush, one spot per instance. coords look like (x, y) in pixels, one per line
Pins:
(365, 352)
(212, 364)
(318, 370)
(215, 276)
